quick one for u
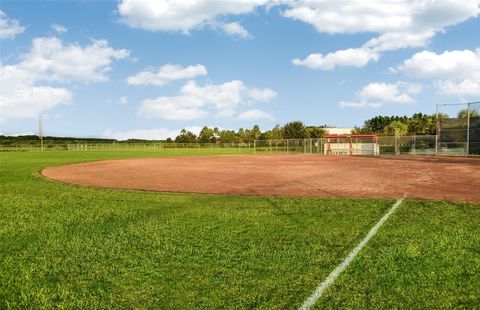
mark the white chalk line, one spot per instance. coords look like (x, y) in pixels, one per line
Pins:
(312, 299)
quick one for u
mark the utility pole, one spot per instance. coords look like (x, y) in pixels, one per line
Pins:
(40, 131)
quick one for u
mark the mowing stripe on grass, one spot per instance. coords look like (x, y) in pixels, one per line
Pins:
(312, 299)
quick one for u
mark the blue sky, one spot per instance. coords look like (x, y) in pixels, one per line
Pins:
(133, 68)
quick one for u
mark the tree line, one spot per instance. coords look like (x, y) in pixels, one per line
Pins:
(417, 124)
(291, 130)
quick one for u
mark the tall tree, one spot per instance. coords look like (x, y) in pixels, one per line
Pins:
(316, 132)
(186, 136)
(396, 127)
(255, 132)
(274, 133)
(294, 130)
(206, 135)
(464, 113)
(228, 136)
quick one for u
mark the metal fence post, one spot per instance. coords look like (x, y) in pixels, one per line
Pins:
(437, 129)
(468, 129)
(414, 145)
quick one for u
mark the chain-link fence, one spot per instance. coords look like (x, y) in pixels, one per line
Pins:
(289, 146)
(209, 147)
(447, 143)
(380, 145)
(458, 128)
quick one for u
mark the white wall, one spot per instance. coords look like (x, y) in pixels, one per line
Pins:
(339, 131)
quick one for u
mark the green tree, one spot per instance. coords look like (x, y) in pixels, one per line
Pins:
(396, 126)
(294, 130)
(228, 136)
(464, 113)
(186, 136)
(242, 135)
(274, 133)
(255, 132)
(206, 135)
(316, 132)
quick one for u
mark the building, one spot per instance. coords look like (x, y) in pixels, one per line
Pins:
(338, 131)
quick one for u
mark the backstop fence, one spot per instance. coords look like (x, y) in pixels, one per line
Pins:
(458, 128)
(381, 145)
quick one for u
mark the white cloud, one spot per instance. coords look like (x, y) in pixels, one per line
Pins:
(455, 72)
(165, 74)
(58, 28)
(357, 57)
(264, 95)
(181, 108)
(147, 134)
(399, 24)
(385, 92)
(235, 29)
(195, 102)
(21, 99)
(255, 114)
(123, 100)
(375, 95)
(24, 93)
(184, 16)
(464, 88)
(51, 60)
(360, 104)
(449, 64)
(9, 28)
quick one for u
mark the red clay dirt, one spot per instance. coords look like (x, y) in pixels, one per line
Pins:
(285, 175)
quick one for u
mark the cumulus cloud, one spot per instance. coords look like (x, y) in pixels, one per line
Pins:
(184, 16)
(455, 72)
(375, 95)
(58, 28)
(180, 108)
(357, 57)
(24, 93)
(263, 95)
(20, 98)
(235, 29)
(255, 114)
(195, 102)
(399, 24)
(467, 88)
(166, 74)
(9, 28)
(50, 59)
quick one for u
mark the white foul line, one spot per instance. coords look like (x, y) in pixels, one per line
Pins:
(312, 299)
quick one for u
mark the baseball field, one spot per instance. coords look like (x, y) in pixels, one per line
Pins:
(228, 237)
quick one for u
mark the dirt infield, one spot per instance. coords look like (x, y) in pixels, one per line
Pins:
(286, 175)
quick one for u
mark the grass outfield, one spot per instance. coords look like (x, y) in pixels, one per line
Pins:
(70, 246)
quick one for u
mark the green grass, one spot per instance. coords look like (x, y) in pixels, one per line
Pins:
(68, 246)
